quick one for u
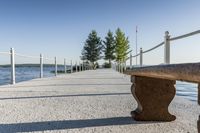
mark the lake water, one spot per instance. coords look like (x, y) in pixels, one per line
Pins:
(183, 89)
(187, 90)
(25, 73)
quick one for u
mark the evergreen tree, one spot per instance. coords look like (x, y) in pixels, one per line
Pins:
(109, 47)
(122, 46)
(92, 48)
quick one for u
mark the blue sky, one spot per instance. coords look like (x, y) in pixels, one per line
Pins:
(60, 27)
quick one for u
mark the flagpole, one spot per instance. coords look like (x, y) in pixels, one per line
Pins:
(136, 44)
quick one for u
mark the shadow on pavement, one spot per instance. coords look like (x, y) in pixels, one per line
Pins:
(62, 96)
(67, 124)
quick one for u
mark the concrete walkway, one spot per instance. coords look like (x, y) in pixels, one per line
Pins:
(89, 101)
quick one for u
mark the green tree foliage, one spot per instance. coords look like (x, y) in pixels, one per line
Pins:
(109, 47)
(122, 46)
(92, 48)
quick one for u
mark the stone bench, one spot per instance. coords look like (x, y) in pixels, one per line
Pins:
(153, 88)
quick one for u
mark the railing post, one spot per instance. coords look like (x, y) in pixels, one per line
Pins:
(79, 66)
(76, 67)
(167, 48)
(112, 65)
(118, 67)
(131, 61)
(124, 66)
(65, 67)
(141, 57)
(71, 67)
(83, 66)
(41, 66)
(121, 67)
(12, 61)
(55, 67)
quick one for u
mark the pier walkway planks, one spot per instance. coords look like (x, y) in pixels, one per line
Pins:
(89, 101)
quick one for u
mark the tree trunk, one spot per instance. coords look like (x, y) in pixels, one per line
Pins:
(109, 63)
(93, 66)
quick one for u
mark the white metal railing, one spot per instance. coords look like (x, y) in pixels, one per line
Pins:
(166, 44)
(41, 59)
(185, 35)
(5, 53)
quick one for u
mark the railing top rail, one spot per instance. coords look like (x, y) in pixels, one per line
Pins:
(153, 48)
(48, 58)
(189, 72)
(185, 35)
(135, 55)
(26, 56)
(147, 50)
(36, 57)
(7, 53)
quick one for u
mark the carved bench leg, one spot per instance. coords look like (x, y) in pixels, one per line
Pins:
(153, 96)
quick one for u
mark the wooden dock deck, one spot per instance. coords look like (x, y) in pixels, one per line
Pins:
(88, 101)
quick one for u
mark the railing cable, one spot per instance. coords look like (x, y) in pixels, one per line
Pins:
(186, 35)
(5, 53)
(153, 48)
(27, 56)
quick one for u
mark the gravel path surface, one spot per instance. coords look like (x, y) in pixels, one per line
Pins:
(89, 101)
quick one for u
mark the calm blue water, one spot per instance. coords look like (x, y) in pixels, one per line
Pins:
(25, 73)
(187, 90)
(183, 89)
